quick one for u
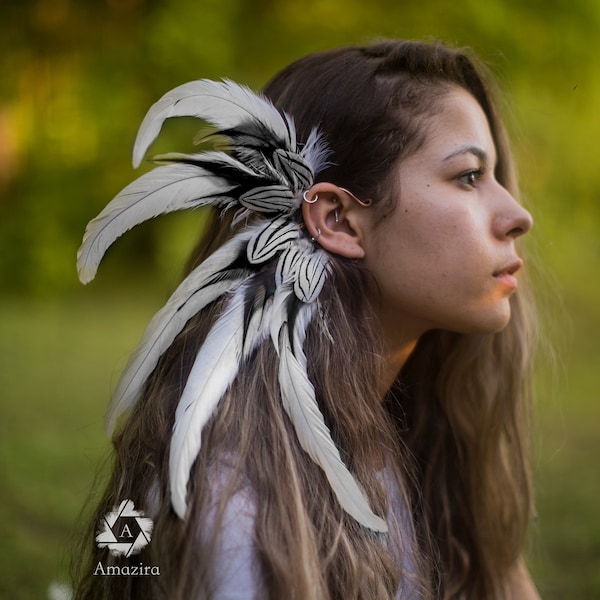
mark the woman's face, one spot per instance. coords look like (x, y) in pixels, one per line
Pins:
(446, 257)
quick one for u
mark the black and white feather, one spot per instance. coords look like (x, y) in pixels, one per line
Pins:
(212, 279)
(268, 275)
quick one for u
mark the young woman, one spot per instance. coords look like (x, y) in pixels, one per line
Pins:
(334, 403)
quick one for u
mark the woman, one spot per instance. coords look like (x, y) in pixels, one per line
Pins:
(334, 402)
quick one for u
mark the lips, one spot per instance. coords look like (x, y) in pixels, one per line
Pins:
(506, 274)
(509, 269)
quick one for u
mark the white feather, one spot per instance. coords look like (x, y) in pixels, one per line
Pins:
(298, 396)
(224, 104)
(213, 372)
(165, 189)
(209, 156)
(315, 153)
(258, 325)
(183, 304)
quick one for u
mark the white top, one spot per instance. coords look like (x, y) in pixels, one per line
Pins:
(238, 576)
(238, 567)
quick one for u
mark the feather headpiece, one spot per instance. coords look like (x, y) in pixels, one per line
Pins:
(269, 272)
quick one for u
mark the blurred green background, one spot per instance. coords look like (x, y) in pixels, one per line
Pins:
(77, 77)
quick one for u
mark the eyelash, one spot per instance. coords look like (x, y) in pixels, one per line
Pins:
(471, 177)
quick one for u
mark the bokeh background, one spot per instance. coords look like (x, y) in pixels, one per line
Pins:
(78, 76)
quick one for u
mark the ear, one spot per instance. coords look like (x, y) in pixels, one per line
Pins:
(335, 220)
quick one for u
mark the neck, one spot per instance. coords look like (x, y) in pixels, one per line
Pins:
(400, 336)
(395, 358)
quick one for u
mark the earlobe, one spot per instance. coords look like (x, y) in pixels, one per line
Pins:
(334, 220)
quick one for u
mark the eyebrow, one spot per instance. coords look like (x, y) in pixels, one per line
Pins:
(475, 150)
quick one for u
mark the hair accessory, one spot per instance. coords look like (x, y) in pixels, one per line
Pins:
(307, 200)
(269, 273)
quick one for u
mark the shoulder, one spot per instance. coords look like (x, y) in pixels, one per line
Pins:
(236, 561)
(402, 540)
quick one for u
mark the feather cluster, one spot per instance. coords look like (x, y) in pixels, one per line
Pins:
(270, 273)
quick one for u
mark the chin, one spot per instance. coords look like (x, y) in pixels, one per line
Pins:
(496, 322)
(490, 321)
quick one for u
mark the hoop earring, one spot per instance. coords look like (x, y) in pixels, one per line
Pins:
(315, 239)
(307, 200)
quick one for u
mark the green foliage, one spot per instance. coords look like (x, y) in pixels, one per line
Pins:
(79, 77)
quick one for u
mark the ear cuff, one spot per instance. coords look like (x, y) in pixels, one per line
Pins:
(364, 203)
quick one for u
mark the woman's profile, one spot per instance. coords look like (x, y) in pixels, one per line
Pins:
(334, 402)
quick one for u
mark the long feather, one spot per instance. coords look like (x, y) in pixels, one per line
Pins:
(165, 189)
(203, 285)
(214, 370)
(217, 163)
(259, 299)
(226, 105)
(299, 401)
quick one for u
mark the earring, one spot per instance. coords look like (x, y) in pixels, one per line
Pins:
(316, 239)
(307, 200)
(337, 217)
(364, 203)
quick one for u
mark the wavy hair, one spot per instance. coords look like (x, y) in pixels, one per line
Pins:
(451, 432)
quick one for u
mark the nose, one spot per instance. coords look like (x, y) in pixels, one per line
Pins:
(512, 220)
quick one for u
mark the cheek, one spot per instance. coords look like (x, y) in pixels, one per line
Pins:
(438, 272)
(428, 252)
(415, 271)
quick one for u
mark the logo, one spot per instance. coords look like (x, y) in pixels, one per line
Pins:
(124, 531)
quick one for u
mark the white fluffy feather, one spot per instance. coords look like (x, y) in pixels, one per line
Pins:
(315, 152)
(165, 189)
(184, 303)
(224, 104)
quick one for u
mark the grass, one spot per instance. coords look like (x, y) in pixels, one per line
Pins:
(59, 361)
(565, 555)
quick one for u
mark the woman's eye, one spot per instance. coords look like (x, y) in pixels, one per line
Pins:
(470, 178)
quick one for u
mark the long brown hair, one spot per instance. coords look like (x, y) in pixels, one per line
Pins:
(452, 431)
